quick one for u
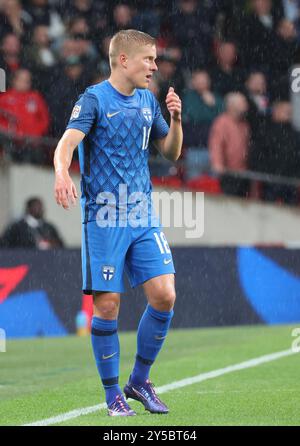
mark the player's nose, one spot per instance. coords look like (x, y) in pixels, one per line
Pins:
(154, 67)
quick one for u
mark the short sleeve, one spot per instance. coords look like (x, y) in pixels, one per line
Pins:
(84, 113)
(160, 128)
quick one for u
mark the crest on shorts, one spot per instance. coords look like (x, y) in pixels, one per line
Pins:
(108, 272)
(147, 114)
(76, 111)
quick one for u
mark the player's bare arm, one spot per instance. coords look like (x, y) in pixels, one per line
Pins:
(64, 189)
(170, 146)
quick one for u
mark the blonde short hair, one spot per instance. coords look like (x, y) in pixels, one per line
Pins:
(127, 40)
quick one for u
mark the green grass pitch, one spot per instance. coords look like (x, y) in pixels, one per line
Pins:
(42, 378)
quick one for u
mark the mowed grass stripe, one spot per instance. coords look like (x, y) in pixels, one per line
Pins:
(44, 377)
(172, 386)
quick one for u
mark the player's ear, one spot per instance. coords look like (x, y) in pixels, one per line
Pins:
(123, 60)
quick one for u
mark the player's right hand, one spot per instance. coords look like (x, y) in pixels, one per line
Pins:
(64, 189)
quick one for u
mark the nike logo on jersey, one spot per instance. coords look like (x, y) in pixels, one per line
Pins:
(166, 261)
(109, 356)
(110, 115)
(159, 338)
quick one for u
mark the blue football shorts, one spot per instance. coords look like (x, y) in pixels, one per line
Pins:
(143, 253)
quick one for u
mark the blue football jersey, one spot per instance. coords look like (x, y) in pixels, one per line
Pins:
(115, 150)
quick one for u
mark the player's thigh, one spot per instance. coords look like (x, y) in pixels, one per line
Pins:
(160, 292)
(149, 256)
(103, 258)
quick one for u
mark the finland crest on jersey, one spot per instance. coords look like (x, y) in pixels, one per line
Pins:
(108, 272)
(147, 114)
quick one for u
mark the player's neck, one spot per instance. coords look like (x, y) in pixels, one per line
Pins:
(121, 86)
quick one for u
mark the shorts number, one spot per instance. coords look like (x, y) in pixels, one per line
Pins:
(162, 243)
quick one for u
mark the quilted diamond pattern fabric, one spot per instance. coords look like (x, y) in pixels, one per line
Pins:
(115, 151)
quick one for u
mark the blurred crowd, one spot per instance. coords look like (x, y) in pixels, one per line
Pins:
(228, 60)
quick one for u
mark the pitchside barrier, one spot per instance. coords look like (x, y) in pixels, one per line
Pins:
(40, 292)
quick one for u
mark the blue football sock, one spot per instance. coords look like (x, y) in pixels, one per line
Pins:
(106, 347)
(152, 331)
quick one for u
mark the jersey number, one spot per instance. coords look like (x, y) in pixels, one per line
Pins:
(162, 243)
(146, 136)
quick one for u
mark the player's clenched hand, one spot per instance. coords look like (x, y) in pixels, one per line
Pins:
(64, 189)
(173, 104)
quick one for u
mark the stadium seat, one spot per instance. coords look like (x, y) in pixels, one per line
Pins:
(205, 183)
(167, 181)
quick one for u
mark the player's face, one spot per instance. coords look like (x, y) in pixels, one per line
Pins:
(141, 66)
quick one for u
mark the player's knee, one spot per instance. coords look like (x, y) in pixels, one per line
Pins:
(106, 307)
(169, 300)
(107, 310)
(165, 300)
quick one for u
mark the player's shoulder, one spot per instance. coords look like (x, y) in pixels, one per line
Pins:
(96, 89)
(96, 95)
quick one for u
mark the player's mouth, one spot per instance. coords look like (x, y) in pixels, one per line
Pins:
(149, 77)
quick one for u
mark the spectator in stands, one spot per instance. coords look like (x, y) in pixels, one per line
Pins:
(77, 42)
(11, 56)
(148, 19)
(227, 26)
(229, 144)
(256, 35)
(14, 19)
(256, 88)
(291, 10)
(39, 11)
(225, 75)
(193, 31)
(39, 53)
(122, 18)
(94, 12)
(173, 53)
(259, 104)
(79, 38)
(42, 13)
(200, 107)
(41, 59)
(32, 231)
(286, 52)
(71, 82)
(167, 75)
(26, 107)
(278, 153)
(79, 26)
(79, 8)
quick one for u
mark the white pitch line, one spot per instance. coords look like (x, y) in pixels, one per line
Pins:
(172, 386)
(68, 415)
